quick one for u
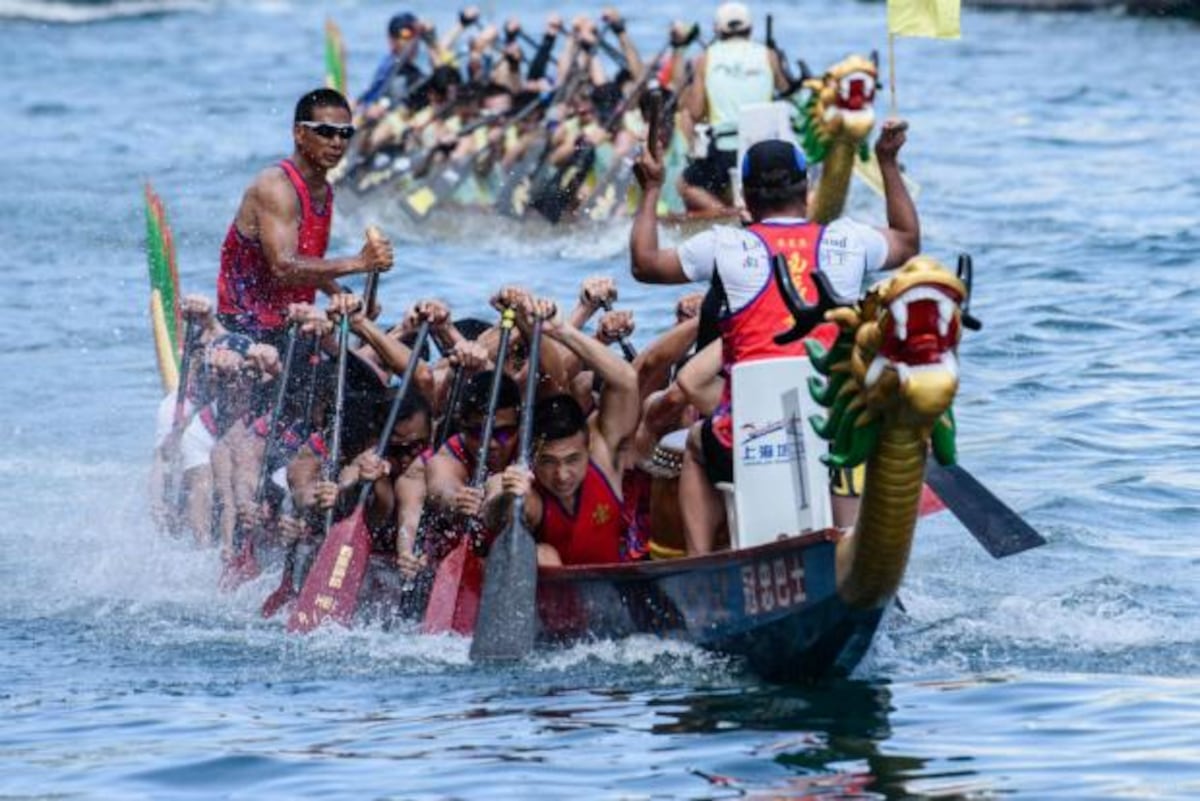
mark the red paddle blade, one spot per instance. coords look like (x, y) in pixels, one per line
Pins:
(454, 599)
(930, 502)
(331, 588)
(241, 568)
(276, 600)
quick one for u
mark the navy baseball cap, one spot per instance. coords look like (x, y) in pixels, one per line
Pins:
(238, 343)
(773, 163)
(401, 23)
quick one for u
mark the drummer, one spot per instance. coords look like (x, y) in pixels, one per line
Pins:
(572, 496)
(738, 263)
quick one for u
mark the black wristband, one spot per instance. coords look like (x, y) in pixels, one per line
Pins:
(617, 26)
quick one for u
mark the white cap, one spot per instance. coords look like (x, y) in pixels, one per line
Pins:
(732, 17)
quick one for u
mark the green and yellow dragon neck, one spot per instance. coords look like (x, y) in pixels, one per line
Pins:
(890, 380)
(836, 120)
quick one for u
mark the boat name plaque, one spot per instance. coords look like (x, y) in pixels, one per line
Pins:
(773, 584)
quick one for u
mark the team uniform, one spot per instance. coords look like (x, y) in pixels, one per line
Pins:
(737, 72)
(250, 299)
(754, 310)
(595, 533)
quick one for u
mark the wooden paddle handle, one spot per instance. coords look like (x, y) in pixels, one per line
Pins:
(655, 121)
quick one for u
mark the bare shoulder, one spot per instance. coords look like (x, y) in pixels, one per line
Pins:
(271, 187)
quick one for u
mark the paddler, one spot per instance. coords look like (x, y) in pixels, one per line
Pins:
(573, 501)
(733, 72)
(274, 252)
(737, 262)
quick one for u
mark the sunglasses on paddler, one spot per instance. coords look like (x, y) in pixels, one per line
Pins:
(328, 130)
(501, 435)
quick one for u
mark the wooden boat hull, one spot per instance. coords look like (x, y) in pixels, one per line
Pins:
(775, 605)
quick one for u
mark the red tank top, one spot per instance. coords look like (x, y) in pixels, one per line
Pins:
(246, 289)
(748, 334)
(593, 534)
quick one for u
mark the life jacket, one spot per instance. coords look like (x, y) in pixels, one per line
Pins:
(246, 288)
(593, 534)
(748, 334)
(737, 72)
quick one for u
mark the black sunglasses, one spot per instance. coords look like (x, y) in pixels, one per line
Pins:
(328, 130)
(502, 435)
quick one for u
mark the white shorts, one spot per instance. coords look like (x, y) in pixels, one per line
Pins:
(164, 422)
(197, 445)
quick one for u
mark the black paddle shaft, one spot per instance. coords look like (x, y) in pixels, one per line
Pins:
(394, 412)
(626, 348)
(260, 488)
(525, 443)
(447, 421)
(506, 626)
(339, 406)
(489, 422)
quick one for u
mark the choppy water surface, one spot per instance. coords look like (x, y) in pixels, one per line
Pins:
(1057, 149)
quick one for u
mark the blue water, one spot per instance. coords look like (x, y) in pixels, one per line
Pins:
(1057, 149)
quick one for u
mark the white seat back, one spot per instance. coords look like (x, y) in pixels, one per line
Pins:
(781, 488)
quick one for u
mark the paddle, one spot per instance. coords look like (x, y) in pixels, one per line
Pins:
(553, 199)
(244, 565)
(793, 82)
(451, 606)
(331, 588)
(421, 201)
(507, 623)
(626, 348)
(296, 567)
(288, 578)
(173, 486)
(1000, 530)
(612, 190)
(447, 422)
(514, 197)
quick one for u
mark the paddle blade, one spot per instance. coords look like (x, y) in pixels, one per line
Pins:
(930, 503)
(1000, 530)
(330, 590)
(241, 568)
(282, 594)
(454, 598)
(507, 623)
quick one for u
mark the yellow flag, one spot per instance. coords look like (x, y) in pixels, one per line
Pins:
(934, 19)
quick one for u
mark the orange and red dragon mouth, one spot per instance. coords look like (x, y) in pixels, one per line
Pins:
(920, 330)
(855, 91)
(919, 326)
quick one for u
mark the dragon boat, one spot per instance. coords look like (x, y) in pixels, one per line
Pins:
(800, 607)
(833, 116)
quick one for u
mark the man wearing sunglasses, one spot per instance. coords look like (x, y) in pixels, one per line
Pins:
(274, 252)
(449, 472)
(573, 502)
